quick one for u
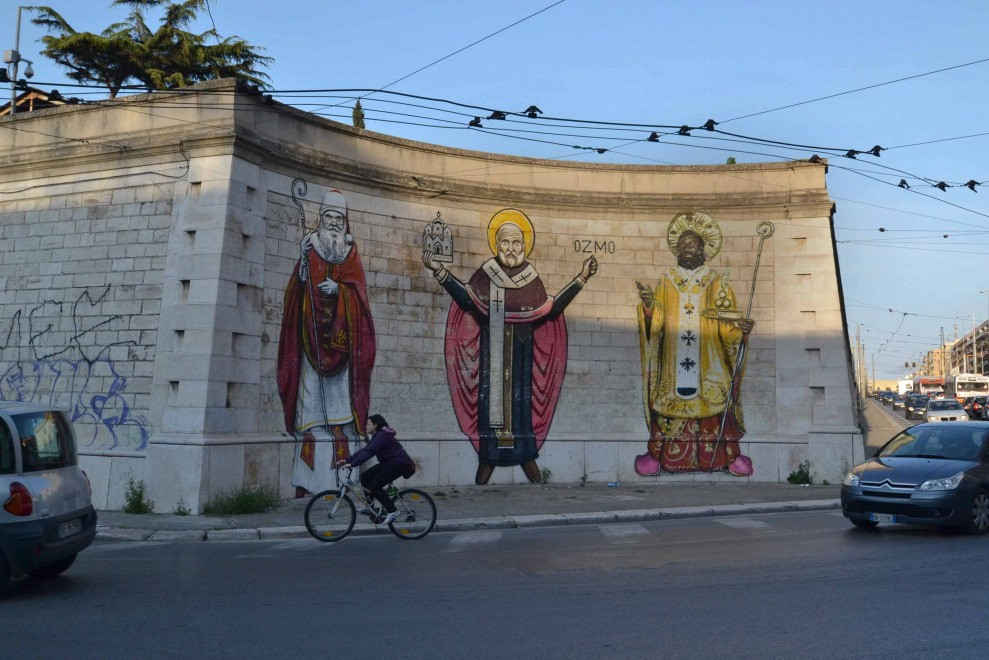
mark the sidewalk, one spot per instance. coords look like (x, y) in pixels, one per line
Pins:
(496, 507)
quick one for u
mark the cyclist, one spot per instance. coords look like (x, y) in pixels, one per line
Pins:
(393, 463)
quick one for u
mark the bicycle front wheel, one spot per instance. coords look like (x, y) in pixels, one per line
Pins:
(330, 516)
(416, 514)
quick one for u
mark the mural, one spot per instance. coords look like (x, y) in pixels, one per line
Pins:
(78, 375)
(506, 347)
(692, 342)
(327, 344)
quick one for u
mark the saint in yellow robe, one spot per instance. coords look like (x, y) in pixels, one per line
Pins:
(688, 345)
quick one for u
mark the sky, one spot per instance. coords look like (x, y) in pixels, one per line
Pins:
(670, 63)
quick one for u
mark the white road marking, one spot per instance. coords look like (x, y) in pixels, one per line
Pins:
(623, 533)
(743, 523)
(465, 540)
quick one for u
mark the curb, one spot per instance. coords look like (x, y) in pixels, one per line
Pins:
(131, 534)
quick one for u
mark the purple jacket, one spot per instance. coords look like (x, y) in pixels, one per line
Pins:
(383, 445)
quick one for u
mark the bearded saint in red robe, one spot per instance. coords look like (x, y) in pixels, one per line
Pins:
(326, 349)
(506, 348)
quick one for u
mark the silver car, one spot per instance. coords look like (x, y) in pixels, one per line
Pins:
(46, 511)
(945, 410)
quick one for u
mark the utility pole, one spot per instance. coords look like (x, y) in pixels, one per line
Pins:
(944, 370)
(12, 58)
(858, 361)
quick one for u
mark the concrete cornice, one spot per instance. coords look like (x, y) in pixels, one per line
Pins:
(295, 143)
(295, 159)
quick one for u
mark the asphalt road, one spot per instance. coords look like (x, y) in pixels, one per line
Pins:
(882, 423)
(792, 585)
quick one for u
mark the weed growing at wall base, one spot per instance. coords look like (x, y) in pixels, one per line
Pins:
(136, 499)
(256, 499)
(801, 475)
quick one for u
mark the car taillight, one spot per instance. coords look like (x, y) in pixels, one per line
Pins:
(19, 503)
(977, 405)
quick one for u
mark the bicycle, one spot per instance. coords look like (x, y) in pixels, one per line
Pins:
(331, 514)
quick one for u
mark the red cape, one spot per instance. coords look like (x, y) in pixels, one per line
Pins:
(463, 362)
(349, 339)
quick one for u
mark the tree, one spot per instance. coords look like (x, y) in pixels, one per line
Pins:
(166, 58)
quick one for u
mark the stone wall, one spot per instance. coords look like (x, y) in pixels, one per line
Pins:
(143, 264)
(80, 296)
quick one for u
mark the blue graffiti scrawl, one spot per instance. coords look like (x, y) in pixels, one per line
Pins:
(62, 360)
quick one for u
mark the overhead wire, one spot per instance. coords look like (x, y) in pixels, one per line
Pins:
(857, 89)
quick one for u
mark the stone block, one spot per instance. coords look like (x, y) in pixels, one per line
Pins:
(97, 468)
(426, 455)
(121, 470)
(601, 461)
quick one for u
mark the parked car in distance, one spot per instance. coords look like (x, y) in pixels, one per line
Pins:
(886, 398)
(916, 405)
(47, 516)
(898, 401)
(926, 474)
(975, 406)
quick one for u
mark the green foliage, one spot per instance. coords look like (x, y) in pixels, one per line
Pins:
(181, 509)
(136, 498)
(248, 499)
(545, 475)
(730, 161)
(165, 58)
(801, 475)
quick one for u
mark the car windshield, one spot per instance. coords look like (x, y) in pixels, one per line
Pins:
(962, 443)
(7, 465)
(947, 404)
(46, 441)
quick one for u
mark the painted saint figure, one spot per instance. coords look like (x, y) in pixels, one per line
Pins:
(506, 348)
(326, 349)
(690, 331)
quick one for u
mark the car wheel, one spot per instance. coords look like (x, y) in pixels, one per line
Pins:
(979, 522)
(54, 569)
(864, 523)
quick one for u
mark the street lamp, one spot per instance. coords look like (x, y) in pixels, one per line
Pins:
(12, 58)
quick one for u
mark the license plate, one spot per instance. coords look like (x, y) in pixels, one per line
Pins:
(882, 517)
(69, 528)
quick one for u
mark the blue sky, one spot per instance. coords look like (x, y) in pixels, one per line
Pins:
(682, 63)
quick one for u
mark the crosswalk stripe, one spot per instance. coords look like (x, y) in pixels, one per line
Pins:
(622, 533)
(465, 540)
(743, 523)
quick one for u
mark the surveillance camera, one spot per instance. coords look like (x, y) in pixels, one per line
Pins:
(29, 72)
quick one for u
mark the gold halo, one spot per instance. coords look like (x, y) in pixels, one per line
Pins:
(701, 224)
(515, 217)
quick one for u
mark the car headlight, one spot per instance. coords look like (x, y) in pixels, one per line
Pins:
(931, 418)
(851, 479)
(948, 483)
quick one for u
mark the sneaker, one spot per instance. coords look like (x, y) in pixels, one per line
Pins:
(390, 518)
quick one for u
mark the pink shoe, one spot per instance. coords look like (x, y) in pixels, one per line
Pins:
(741, 466)
(646, 465)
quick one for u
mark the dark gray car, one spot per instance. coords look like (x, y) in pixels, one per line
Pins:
(930, 473)
(47, 516)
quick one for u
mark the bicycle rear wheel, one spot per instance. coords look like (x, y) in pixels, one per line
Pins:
(416, 514)
(330, 516)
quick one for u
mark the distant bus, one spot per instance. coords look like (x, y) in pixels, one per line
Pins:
(904, 386)
(928, 385)
(960, 386)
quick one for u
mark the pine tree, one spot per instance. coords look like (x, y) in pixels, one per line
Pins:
(166, 58)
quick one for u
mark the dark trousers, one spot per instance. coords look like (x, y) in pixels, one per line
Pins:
(379, 476)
